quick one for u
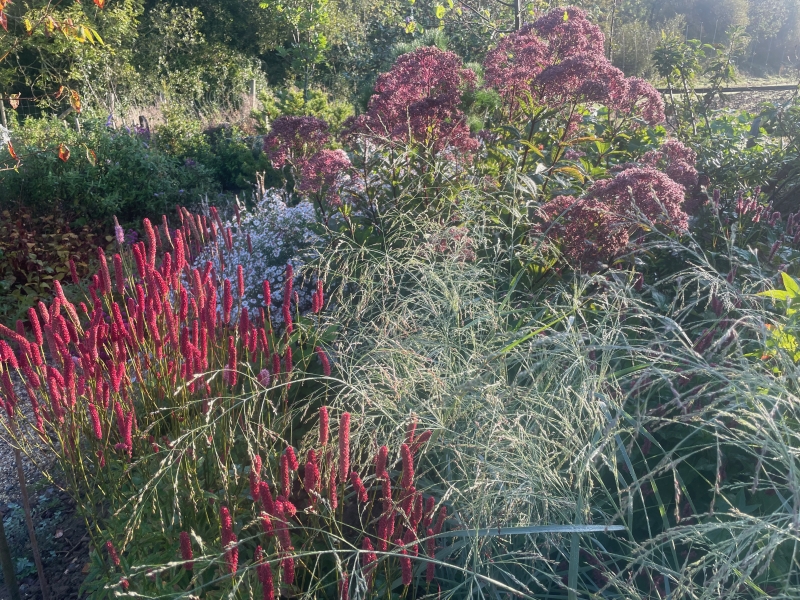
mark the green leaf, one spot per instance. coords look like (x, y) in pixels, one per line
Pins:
(440, 10)
(775, 294)
(791, 285)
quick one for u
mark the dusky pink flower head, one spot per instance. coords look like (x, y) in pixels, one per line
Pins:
(418, 101)
(293, 139)
(588, 231)
(567, 32)
(585, 78)
(652, 192)
(323, 175)
(677, 161)
(645, 101)
(515, 63)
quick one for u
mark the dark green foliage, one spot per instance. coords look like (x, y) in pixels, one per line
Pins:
(109, 172)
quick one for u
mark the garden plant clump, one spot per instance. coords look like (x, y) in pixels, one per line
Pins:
(497, 335)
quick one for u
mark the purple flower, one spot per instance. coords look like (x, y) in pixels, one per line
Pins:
(321, 173)
(418, 101)
(293, 139)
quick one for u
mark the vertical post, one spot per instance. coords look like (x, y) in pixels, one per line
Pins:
(611, 33)
(253, 95)
(517, 15)
(3, 120)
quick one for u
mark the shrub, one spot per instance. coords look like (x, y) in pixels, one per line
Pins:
(108, 172)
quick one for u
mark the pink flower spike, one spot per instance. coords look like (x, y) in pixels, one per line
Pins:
(324, 425)
(344, 446)
(186, 551)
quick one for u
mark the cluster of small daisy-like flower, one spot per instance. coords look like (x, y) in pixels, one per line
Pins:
(269, 237)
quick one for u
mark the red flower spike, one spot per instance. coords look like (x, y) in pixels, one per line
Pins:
(284, 473)
(276, 364)
(232, 362)
(368, 557)
(105, 276)
(380, 463)
(227, 302)
(358, 485)
(267, 293)
(440, 520)
(323, 358)
(150, 236)
(112, 553)
(95, 418)
(405, 565)
(266, 523)
(430, 549)
(324, 427)
(118, 276)
(411, 431)
(35, 326)
(240, 281)
(416, 510)
(292, 458)
(264, 572)
(344, 587)
(420, 441)
(288, 570)
(73, 271)
(408, 466)
(266, 497)
(332, 490)
(311, 474)
(386, 488)
(186, 551)
(286, 309)
(344, 446)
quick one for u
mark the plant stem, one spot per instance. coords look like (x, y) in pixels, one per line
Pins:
(9, 577)
(37, 557)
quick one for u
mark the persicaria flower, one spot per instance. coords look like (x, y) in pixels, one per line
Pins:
(380, 462)
(324, 427)
(358, 485)
(311, 474)
(405, 564)
(323, 358)
(112, 553)
(227, 302)
(292, 458)
(408, 466)
(186, 551)
(368, 557)
(284, 473)
(288, 570)
(344, 446)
